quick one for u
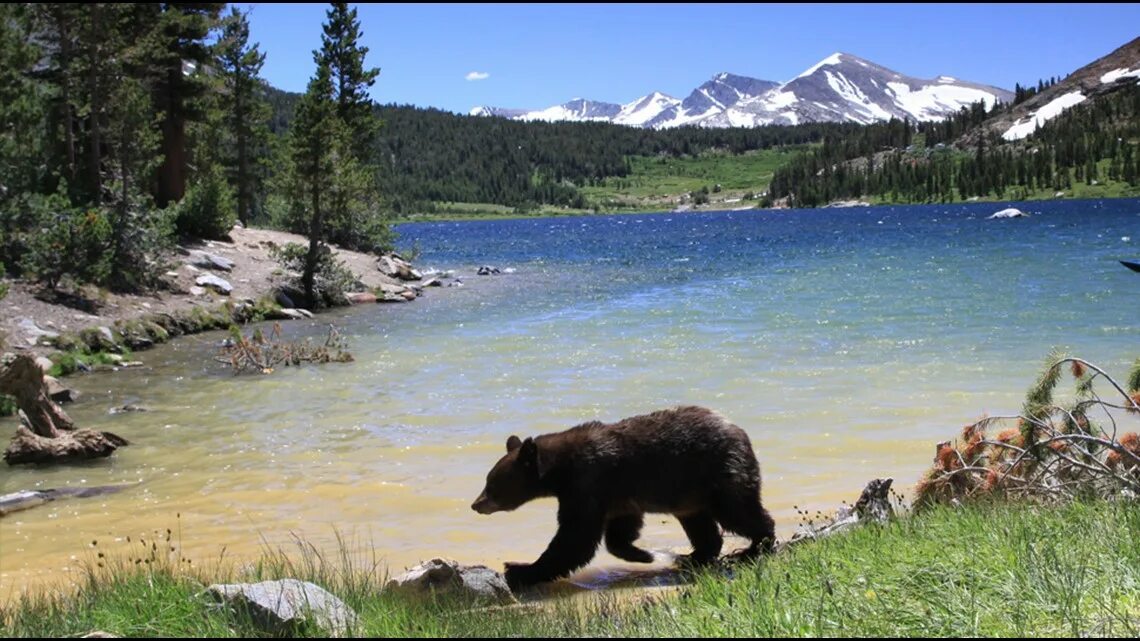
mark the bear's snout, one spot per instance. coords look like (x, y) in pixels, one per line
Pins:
(484, 505)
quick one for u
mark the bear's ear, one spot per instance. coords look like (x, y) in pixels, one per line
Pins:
(531, 456)
(513, 443)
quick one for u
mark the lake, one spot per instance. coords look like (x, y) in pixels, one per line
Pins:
(846, 342)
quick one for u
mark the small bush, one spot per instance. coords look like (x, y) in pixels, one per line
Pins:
(83, 236)
(209, 209)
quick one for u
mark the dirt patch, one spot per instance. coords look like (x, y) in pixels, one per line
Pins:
(254, 274)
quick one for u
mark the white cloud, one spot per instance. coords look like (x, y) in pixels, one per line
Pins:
(478, 75)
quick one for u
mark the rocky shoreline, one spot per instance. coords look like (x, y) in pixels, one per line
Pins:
(207, 285)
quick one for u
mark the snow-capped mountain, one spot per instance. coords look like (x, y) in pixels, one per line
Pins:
(839, 88)
(711, 98)
(846, 88)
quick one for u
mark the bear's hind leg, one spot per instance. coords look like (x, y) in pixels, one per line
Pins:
(747, 517)
(703, 533)
(621, 532)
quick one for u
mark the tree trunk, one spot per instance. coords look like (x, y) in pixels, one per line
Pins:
(316, 225)
(172, 172)
(22, 379)
(80, 445)
(46, 434)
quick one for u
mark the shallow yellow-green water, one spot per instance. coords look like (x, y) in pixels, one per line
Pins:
(847, 345)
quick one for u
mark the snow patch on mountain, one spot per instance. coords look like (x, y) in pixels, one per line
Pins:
(1027, 126)
(833, 59)
(1117, 74)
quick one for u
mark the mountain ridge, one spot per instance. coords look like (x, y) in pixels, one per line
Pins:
(840, 88)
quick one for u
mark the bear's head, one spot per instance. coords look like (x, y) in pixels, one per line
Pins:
(514, 480)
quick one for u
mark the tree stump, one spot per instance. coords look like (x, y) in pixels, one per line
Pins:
(46, 433)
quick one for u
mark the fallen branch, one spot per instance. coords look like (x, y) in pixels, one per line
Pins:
(260, 354)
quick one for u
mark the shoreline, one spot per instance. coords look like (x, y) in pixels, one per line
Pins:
(839, 204)
(99, 321)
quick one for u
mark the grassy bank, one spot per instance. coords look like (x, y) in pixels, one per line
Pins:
(984, 571)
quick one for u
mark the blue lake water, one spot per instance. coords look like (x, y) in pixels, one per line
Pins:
(847, 342)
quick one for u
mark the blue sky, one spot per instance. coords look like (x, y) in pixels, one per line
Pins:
(457, 56)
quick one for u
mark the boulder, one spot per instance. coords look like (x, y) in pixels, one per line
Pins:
(58, 392)
(34, 333)
(433, 282)
(282, 606)
(215, 283)
(211, 261)
(282, 297)
(393, 266)
(445, 576)
(1012, 212)
(390, 293)
(487, 270)
(44, 364)
(357, 298)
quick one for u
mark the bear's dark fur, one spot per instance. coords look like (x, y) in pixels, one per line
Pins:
(688, 461)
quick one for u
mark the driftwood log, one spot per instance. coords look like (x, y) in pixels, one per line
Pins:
(873, 506)
(46, 433)
(25, 499)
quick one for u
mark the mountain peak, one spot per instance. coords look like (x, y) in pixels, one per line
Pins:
(840, 88)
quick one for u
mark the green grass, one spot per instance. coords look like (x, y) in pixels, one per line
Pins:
(996, 570)
(662, 179)
(654, 184)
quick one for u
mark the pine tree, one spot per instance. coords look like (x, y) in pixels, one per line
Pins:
(353, 220)
(177, 50)
(314, 139)
(246, 112)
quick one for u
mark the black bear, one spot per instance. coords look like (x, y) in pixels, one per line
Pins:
(687, 461)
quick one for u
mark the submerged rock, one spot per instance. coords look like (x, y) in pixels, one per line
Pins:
(1012, 212)
(487, 270)
(445, 576)
(282, 605)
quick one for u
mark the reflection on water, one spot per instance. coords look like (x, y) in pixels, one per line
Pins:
(846, 343)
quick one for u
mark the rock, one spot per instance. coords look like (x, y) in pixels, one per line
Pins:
(131, 364)
(122, 409)
(197, 291)
(357, 298)
(282, 605)
(211, 261)
(287, 313)
(487, 270)
(135, 341)
(1012, 212)
(215, 283)
(282, 298)
(393, 266)
(58, 392)
(445, 576)
(28, 326)
(44, 363)
(390, 293)
(433, 282)
(107, 335)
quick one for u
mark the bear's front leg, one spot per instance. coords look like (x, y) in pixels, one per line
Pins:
(579, 534)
